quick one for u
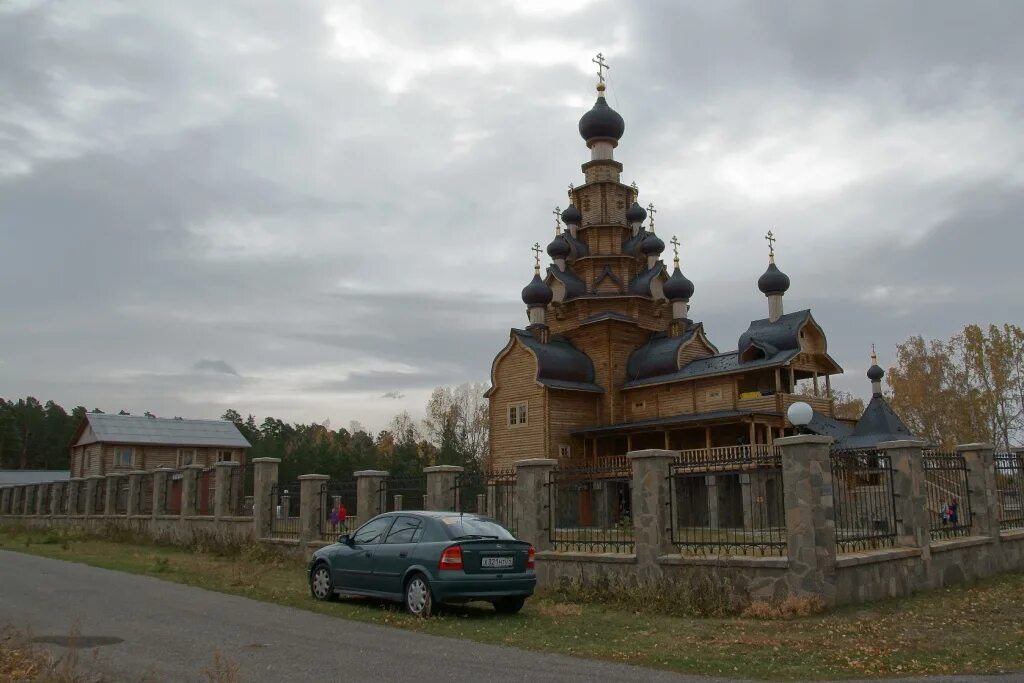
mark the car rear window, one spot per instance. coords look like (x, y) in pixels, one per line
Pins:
(471, 526)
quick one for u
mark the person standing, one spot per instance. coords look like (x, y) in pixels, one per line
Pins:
(342, 516)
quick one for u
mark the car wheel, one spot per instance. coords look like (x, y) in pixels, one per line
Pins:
(418, 600)
(320, 584)
(509, 605)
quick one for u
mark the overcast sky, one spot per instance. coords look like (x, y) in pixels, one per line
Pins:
(321, 210)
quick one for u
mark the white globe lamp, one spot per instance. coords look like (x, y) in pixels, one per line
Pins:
(800, 415)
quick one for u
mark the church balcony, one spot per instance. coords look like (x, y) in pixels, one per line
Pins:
(780, 403)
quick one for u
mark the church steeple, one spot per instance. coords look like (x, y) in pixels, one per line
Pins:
(773, 283)
(601, 127)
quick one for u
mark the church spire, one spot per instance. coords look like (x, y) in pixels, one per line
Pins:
(773, 283)
(601, 127)
(678, 289)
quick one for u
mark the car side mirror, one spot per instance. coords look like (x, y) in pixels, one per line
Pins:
(345, 538)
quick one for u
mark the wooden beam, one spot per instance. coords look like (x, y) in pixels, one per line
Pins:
(753, 433)
(707, 437)
(667, 442)
(778, 380)
(792, 380)
(815, 383)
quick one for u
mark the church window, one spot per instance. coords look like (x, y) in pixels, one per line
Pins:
(186, 456)
(564, 451)
(517, 414)
(125, 457)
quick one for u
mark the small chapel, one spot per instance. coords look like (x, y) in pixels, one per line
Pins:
(611, 360)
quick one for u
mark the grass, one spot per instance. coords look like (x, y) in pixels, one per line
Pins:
(970, 630)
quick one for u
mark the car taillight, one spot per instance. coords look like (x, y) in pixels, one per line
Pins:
(451, 558)
(529, 558)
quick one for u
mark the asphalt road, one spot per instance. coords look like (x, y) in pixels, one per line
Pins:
(146, 629)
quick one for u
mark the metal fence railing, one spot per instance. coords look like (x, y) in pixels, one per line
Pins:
(42, 502)
(590, 509)
(501, 497)
(731, 506)
(338, 505)
(81, 504)
(98, 504)
(1010, 489)
(28, 506)
(947, 495)
(205, 491)
(470, 492)
(64, 497)
(172, 493)
(284, 510)
(864, 504)
(144, 500)
(403, 493)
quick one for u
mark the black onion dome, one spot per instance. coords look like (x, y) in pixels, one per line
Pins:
(875, 373)
(678, 286)
(652, 245)
(572, 215)
(537, 293)
(774, 281)
(636, 213)
(559, 248)
(601, 122)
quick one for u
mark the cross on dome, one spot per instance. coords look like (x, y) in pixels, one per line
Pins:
(601, 66)
(650, 212)
(770, 238)
(675, 248)
(558, 220)
(536, 257)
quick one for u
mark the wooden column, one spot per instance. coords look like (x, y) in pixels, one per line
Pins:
(666, 440)
(778, 380)
(815, 383)
(707, 437)
(792, 381)
(753, 433)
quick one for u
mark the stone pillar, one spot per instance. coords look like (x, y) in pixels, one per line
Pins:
(311, 511)
(531, 502)
(983, 488)
(5, 500)
(191, 477)
(113, 481)
(810, 520)
(908, 489)
(222, 488)
(651, 524)
(57, 493)
(397, 503)
(371, 487)
(93, 484)
(74, 494)
(441, 491)
(161, 476)
(136, 480)
(264, 479)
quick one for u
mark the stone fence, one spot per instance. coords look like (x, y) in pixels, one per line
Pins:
(810, 555)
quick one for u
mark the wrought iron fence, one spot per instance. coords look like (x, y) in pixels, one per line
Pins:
(28, 505)
(729, 506)
(284, 510)
(470, 492)
(42, 500)
(99, 499)
(81, 504)
(62, 499)
(590, 509)
(338, 506)
(412, 492)
(501, 497)
(121, 496)
(947, 494)
(172, 493)
(205, 491)
(1010, 488)
(144, 496)
(245, 494)
(864, 504)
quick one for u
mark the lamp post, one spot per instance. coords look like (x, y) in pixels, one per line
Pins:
(800, 415)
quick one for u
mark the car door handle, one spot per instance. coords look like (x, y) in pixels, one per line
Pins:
(403, 554)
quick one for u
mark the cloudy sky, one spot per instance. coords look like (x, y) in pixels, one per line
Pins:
(324, 209)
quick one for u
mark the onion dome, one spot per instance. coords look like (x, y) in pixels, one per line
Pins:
(678, 286)
(537, 293)
(875, 373)
(652, 245)
(602, 121)
(572, 215)
(774, 281)
(559, 248)
(636, 213)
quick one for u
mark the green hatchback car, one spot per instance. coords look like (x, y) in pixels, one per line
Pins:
(426, 558)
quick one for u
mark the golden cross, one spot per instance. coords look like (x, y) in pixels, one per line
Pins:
(571, 191)
(536, 257)
(650, 212)
(675, 248)
(558, 220)
(771, 245)
(599, 60)
(636, 191)
(874, 358)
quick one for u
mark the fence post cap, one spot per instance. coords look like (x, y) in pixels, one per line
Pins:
(313, 477)
(800, 439)
(165, 469)
(535, 462)
(138, 472)
(95, 476)
(651, 453)
(443, 468)
(266, 460)
(981, 446)
(72, 479)
(901, 443)
(370, 473)
(194, 467)
(227, 463)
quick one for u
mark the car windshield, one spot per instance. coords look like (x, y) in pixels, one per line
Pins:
(469, 527)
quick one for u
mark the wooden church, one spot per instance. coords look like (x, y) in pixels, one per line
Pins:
(611, 360)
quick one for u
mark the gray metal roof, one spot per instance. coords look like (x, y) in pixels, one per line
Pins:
(772, 337)
(721, 364)
(574, 286)
(641, 284)
(659, 356)
(18, 477)
(878, 424)
(827, 426)
(132, 429)
(560, 365)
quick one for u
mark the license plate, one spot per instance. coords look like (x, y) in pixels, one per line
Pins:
(495, 562)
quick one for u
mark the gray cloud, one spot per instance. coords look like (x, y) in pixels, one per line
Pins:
(341, 199)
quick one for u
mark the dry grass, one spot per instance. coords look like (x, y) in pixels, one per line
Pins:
(23, 660)
(792, 607)
(222, 670)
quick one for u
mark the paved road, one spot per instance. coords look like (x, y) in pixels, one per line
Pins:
(160, 631)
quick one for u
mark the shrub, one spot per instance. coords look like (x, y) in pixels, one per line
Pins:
(792, 607)
(696, 594)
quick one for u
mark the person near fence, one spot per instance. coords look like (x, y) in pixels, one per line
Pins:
(342, 516)
(952, 510)
(334, 519)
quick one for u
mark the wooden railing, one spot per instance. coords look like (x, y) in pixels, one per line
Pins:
(758, 454)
